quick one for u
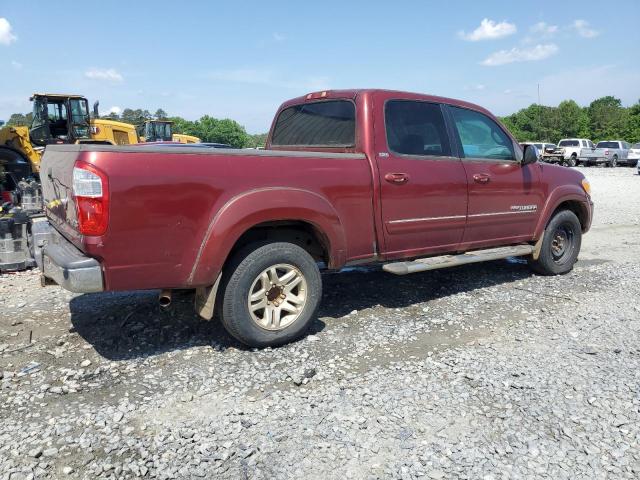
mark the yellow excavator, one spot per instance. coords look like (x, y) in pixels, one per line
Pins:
(162, 131)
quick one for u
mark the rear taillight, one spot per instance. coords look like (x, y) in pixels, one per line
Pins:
(606, 153)
(91, 194)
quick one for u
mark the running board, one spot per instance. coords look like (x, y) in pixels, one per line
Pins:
(443, 261)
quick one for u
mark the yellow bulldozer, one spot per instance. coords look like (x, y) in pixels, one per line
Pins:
(162, 131)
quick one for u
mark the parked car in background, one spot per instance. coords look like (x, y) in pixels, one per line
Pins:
(579, 150)
(615, 151)
(634, 154)
(548, 152)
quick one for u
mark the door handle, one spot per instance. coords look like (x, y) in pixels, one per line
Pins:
(397, 178)
(481, 178)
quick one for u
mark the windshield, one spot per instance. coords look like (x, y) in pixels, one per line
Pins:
(569, 143)
(607, 145)
(158, 131)
(40, 113)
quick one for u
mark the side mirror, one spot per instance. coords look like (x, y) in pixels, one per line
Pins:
(531, 155)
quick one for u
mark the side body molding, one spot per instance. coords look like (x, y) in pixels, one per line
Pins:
(255, 207)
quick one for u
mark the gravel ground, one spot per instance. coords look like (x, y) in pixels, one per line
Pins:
(484, 371)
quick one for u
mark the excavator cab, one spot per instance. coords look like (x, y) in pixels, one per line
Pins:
(156, 131)
(59, 119)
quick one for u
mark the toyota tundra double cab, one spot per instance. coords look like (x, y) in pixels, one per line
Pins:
(413, 182)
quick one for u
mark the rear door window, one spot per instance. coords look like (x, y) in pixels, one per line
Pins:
(330, 123)
(416, 128)
(480, 136)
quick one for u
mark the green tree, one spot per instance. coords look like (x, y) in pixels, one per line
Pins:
(607, 118)
(160, 114)
(180, 125)
(135, 117)
(257, 140)
(20, 119)
(572, 119)
(632, 124)
(228, 131)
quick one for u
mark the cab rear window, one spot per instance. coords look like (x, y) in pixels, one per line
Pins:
(607, 145)
(330, 123)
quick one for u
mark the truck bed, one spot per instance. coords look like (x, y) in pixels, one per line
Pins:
(164, 201)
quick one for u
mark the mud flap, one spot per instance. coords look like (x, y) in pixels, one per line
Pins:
(205, 299)
(538, 246)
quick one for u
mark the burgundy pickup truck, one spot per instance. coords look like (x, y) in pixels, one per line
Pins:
(414, 182)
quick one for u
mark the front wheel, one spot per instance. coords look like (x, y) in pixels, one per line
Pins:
(271, 294)
(560, 245)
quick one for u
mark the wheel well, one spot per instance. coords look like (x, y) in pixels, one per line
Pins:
(576, 207)
(301, 233)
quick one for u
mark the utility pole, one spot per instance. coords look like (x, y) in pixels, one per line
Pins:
(540, 115)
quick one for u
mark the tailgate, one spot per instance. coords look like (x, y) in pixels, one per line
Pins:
(56, 176)
(591, 153)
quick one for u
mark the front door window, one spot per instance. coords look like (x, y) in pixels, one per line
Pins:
(481, 137)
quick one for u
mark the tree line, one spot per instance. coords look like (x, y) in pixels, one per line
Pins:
(604, 119)
(207, 128)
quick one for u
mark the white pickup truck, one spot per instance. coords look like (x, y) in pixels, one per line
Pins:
(580, 150)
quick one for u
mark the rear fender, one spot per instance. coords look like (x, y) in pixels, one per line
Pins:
(561, 194)
(255, 207)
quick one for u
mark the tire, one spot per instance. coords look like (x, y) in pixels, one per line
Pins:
(280, 316)
(560, 245)
(573, 161)
(15, 163)
(613, 162)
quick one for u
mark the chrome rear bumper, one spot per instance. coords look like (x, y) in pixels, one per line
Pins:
(67, 266)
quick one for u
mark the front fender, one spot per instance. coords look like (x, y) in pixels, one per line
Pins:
(559, 195)
(252, 208)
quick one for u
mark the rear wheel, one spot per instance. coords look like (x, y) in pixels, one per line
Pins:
(573, 161)
(271, 294)
(560, 246)
(613, 162)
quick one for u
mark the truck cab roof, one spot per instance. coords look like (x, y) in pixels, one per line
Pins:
(357, 92)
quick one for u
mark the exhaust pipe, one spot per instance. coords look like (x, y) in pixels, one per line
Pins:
(165, 298)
